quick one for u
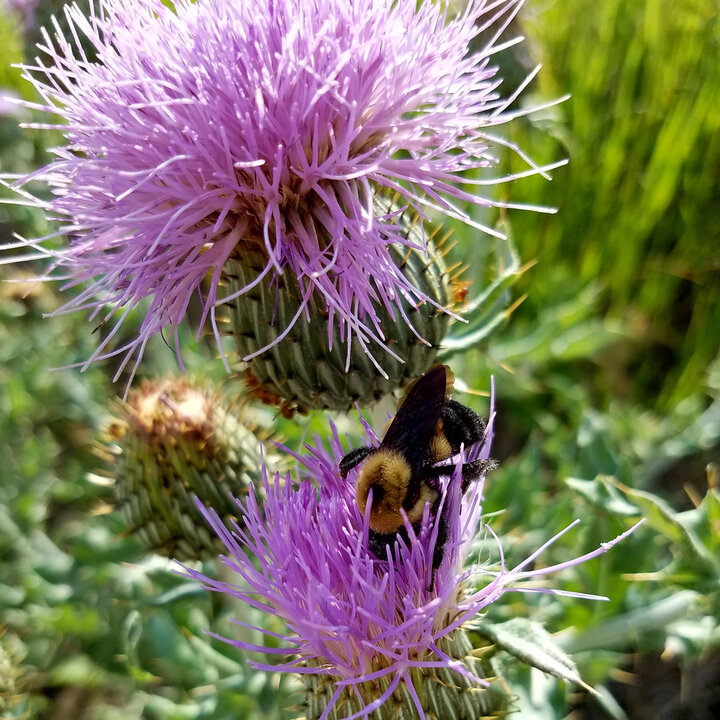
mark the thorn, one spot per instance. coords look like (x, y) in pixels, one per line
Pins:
(515, 305)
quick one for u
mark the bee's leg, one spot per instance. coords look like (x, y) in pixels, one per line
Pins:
(353, 458)
(471, 471)
(442, 538)
(474, 470)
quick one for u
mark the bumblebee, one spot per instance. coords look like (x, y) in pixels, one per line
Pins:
(404, 471)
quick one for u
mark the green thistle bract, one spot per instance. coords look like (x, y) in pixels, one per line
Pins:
(173, 441)
(301, 361)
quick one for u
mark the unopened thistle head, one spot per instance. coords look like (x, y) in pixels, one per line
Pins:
(197, 133)
(171, 443)
(369, 636)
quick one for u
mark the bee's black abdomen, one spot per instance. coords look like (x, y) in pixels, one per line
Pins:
(461, 425)
(379, 542)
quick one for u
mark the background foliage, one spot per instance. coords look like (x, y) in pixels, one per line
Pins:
(608, 386)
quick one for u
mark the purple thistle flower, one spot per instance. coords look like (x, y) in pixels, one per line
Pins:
(265, 124)
(303, 556)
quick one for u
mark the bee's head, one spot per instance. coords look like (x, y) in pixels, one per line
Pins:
(388, 475)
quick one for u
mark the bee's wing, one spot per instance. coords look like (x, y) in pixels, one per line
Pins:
(435, 370)
(419, 411)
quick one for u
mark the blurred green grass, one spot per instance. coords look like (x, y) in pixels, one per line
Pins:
(608, 369)
(638, 202)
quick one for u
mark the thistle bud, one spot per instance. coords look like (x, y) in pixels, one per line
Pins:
(172, 441)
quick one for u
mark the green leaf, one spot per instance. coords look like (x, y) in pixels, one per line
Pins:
(711, 507)
(622, 630)
(532, 644)
(610, 704)
(185, 590)
(603, 494)
(661, 517)
(491, 307)
(78, 671)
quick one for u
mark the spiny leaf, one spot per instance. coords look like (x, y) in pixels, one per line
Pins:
(661, 517)
(532, 644)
